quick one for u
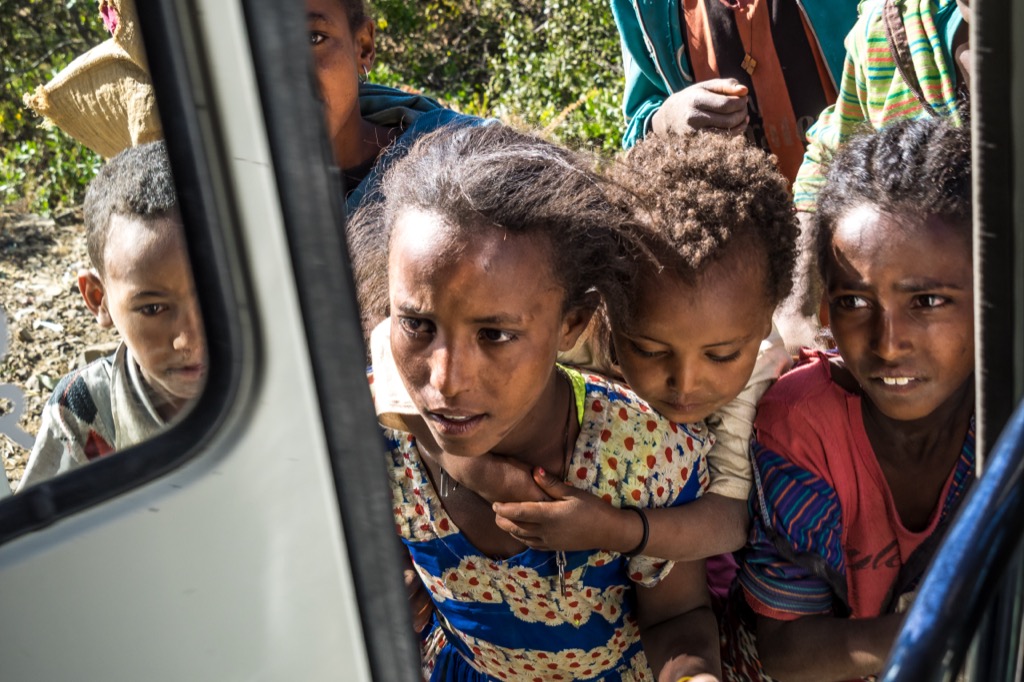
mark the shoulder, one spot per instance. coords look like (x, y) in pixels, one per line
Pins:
(631, 455)
(808, 387)
(84, 391)
(805, 416)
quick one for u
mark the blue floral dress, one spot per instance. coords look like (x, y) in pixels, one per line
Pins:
(510, 619)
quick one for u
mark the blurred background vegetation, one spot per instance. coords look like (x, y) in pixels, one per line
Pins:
(547, 64)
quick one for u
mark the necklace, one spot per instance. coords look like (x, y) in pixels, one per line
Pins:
(749, 63)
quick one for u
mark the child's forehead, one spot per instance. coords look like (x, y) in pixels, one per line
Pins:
(136, 242)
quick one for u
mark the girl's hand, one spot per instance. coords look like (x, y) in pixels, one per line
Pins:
(420, 603)
(573, 520)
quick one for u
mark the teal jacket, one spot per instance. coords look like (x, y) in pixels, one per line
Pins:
(654, 54)
(417, 114)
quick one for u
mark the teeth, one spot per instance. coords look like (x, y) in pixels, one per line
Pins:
(896, 381)
(453, 418)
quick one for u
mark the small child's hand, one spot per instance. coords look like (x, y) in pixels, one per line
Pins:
(573, 520)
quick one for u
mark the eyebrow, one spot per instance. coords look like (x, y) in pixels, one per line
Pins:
(317, 16)
(148, 293)
(499, 319)
(908, 287)
(914, 286)
(729, 342)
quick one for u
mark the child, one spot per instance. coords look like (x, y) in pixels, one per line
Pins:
(141, 284)
(906, 59)
(364, 121)
(695, 342)
(497, 240)
(862, 457)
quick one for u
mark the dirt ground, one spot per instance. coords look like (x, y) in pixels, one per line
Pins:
(49, 329)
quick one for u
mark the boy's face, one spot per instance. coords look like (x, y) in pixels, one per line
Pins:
(901, 307)
(148, 295)
(691, 348)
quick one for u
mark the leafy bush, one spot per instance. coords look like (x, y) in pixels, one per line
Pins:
(41, 168)
(550, 64)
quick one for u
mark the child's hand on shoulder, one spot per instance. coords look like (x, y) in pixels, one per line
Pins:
(573, 520)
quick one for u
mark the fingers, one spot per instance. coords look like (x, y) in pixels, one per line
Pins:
(420, 604)
(526, 535)
(724, 86)
(555, 488)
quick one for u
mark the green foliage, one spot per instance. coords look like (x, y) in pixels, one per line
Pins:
(41, 168)
(550, 64)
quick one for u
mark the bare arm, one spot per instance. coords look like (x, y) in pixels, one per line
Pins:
(575, 520)
(495, 478)
(706, 527)
(677, 627)
(825, 648)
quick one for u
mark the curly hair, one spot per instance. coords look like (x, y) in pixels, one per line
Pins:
(136, 182)
(494, 177)
(915, 168)
(698, 196)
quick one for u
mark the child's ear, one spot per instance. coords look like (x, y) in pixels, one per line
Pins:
(366, 46)
(91, 286)
(576, 320)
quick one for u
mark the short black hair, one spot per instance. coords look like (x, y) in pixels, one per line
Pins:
(356, 13)
(136, 182)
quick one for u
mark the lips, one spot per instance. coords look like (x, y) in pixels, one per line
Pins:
(897, 380)
(189, 372)
(455, 422)
(686, 412)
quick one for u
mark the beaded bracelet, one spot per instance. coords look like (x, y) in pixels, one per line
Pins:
(643, 540)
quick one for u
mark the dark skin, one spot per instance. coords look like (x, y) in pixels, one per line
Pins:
(901, 305)
(917, 457)
(469, 510)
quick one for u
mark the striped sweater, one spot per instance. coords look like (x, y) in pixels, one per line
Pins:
(873, 94)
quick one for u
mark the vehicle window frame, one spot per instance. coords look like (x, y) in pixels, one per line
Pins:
(206, 214)
(312, 192)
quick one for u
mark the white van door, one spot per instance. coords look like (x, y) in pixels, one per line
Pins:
(253, 539)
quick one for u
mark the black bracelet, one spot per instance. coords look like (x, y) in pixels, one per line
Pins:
(643, 540)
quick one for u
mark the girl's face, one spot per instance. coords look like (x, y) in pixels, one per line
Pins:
(690, 349)
(901, 305)
(339, 55)
(476, 324)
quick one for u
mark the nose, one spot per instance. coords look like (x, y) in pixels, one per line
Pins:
(451, 369)
(683, 378)
(189, 338)
(890, 335)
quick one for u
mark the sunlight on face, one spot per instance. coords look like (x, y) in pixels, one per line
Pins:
(476, 325)
(690, 349)
(901, 305)
(151, 299)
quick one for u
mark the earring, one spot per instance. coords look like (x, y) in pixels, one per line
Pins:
(365, 75)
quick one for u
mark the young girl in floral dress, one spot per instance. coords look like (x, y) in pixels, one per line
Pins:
(497, 243)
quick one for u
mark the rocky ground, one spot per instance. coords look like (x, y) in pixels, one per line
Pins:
(48, 329)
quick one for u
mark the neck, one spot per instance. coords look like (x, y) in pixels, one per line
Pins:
(363, 143)
(541, 437)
